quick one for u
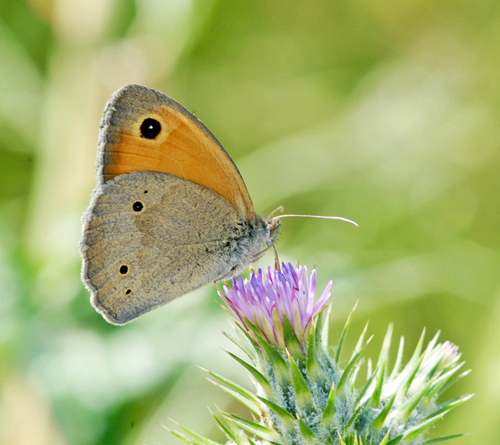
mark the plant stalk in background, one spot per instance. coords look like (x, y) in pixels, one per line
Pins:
(302, 395)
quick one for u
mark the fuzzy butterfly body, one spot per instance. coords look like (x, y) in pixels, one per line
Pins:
(170, 212)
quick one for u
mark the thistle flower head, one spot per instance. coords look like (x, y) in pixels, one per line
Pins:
(303, 395)
(271, 300)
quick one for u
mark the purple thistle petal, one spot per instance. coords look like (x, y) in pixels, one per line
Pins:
(293, 273)
(312, 286)
(269, 296)
(323, 300)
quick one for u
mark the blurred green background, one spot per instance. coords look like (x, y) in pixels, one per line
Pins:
(381, 111)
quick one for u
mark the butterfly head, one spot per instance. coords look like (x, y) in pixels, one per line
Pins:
(272, 230)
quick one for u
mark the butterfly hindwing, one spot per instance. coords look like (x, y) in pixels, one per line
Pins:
(152, 237)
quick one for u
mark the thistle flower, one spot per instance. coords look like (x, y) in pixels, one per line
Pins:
(302, 394)
(279, 299)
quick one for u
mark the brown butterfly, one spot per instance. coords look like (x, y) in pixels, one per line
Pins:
(170, 212)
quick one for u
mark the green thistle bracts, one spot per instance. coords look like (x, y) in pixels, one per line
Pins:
(303, 396)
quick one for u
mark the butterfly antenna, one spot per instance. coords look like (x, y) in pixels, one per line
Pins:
(315, 216)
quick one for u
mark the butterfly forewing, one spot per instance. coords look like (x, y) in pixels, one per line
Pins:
(145, 130)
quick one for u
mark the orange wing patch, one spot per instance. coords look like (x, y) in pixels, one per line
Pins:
(145, 130)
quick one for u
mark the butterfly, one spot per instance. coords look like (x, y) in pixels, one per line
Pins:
(170, 211)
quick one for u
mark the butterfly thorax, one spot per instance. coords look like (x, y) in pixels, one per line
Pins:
(251, 241)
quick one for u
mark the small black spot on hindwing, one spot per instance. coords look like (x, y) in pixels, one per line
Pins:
(150, 128)
(123, 269)
(128, 291)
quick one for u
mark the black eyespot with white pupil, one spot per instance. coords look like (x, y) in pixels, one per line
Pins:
(137, 206)
(123, 269)
(150, 128)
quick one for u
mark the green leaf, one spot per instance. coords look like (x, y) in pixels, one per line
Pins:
(385, 439)
(328, 418)
(244, 346)
(343, 335)
(244, 392)
(313, 366)
(328, 441)
(411, 368)
(379, 382)
(252, 427)
(354, 376)
(384, 352)
(320, 338)
(420, 428)
(256, 331)
(278, 329)
(264, 326)
(299, 330)
(399, 360)
(449, 405)
(364, 389)
(302, 392)
(350, 367)
(378, 422)
(278, 365)
(454, 380)
(366, 441)
(185, 438)
(360, 342)
(240, 398)
(252, 342)
(261, 380)
(242, 436)
(439, 383)
(430, 347)
(280, 411)
(198, 439)
(229, 434)
(287, 418)
(381, 365)
(395, 440)
(341, 441)
(307, 434)
(442, 438)
(322, 327)
(353, 418)
(292, 343)
(405, 409)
